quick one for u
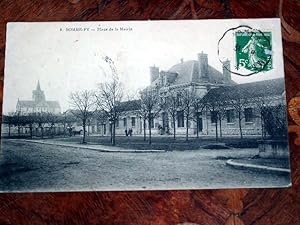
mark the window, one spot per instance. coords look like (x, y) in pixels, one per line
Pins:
(230, 115)
(125, 122)
(180, 119)
(117, 123)
(213, 116)
(179, 99)
(133, 121)
(248, 115)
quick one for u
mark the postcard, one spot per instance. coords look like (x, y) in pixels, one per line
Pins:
(144, 105)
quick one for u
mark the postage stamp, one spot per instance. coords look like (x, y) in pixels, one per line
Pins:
(253, 50)
(249, 48)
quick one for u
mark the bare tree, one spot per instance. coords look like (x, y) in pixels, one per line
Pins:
(101, 117)
(9, 120)
(187, 97)
(171, 107)
(239, 103)
(221, 110)
(66, 120)
(275, 121)
(143, 114)
(83, 106)
(198, 107)
(211, 104)
(41, 120)
(109, 96)
(151, 106)
(30, 120)
(262, 106)
(18, 121)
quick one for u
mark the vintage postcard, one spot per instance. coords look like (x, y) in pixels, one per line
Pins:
(144, 105)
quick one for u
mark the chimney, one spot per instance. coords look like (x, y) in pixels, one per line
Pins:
(203, 67)
(181, 60)
(226, 71)
(154, 73)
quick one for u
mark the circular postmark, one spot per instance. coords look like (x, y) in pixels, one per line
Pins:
(250, 49)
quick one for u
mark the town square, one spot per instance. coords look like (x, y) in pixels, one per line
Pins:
(188, 123)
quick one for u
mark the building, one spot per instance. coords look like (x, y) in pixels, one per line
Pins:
(212, 86)
(243, 107)
(195, 75)
(38, 103)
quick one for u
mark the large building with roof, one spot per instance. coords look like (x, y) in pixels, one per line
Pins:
(243, 108)
(196, 75)
(214, 87)
(38, 103)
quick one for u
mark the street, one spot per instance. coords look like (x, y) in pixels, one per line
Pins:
(28, 166)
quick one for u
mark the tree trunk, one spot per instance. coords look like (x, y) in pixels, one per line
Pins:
(9, 126)
(42, 132)
(114, 133)
(174, 128)
(240, 125)
(111, 133)
(220, 125)
(30, 128)
(197, 126)
(262, 126)
(187, 129)
(149, 123)
(64, 129)
(144, 126)
(83, 126)
(217, 130)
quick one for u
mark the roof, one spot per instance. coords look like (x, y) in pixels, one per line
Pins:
(130, 105)
(189, 72)
(32, 104)
(184, 71)
(29, 104)
(53, 104)
(274, 87)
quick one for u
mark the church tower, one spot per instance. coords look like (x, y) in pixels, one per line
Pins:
(38, 95)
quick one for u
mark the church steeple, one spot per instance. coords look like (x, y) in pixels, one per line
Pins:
(38, 87)
(37, 94)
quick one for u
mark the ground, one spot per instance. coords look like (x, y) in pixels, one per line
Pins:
(29, 166)
(165, 142)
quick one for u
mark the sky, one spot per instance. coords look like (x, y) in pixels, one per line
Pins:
(68, 56)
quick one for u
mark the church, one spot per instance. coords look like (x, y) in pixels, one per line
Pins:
(38, 103)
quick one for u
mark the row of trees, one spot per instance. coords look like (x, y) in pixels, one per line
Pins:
(106, 100)
(153, 102)
(40, 120)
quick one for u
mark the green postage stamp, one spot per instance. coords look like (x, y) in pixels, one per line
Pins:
(253, 50)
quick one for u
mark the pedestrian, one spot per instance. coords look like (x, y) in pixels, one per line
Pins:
(126, 132)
